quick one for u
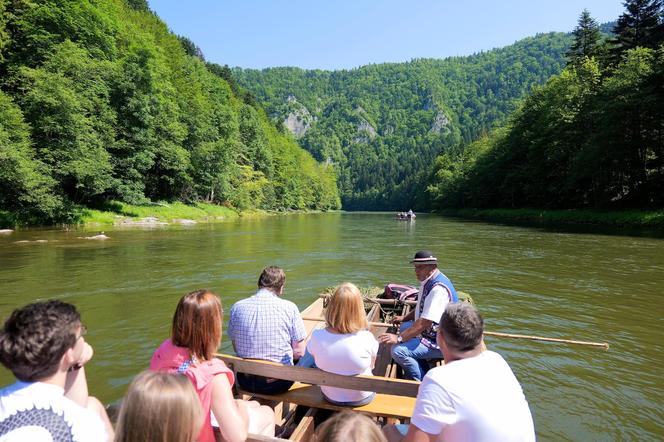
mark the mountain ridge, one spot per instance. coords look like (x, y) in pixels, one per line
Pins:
(375, 122)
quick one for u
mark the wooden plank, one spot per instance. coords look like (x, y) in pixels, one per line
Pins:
(315, 376)
(382, 301)
(314, 310)
(261, 438)
(374, 314)
(383, 360)
(304, 432)
(384, 405)
(320, 319)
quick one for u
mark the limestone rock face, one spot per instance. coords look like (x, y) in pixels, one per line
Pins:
(440, 124)
(299, 119)
(365, 132)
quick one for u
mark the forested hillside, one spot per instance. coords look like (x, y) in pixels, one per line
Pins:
(99, 102)
(592, 136)
(382, 126)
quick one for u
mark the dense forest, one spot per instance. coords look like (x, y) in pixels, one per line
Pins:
(591, 137)
(100, 102)
(383, 125)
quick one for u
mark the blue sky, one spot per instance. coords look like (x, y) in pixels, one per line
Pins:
(342, 34)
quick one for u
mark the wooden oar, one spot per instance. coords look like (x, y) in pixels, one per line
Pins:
(604, 345)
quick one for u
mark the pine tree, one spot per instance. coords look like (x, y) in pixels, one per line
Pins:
(639, 25)
(586, 39)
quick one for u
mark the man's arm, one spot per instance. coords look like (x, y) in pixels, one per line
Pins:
(417, 435)
(414, 434)
(407, 317)
(298, 334)
(299, 348)
(76, 384)
(418, 327)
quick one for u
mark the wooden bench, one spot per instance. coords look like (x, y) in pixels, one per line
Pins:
(395, 398)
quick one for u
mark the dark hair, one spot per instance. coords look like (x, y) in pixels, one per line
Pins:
(35, 338)
(197, 323)
(462, 326)
(272, 278)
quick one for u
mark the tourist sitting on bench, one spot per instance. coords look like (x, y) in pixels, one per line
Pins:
(415, 345)
(266, 326)
(196, 335)
(473, 397)
(345, 346)
(43, 345)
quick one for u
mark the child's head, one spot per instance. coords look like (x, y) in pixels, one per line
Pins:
(159, 407)
(349, 427)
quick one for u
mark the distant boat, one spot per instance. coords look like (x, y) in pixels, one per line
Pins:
(405, 216)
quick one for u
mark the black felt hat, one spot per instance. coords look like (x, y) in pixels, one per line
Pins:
(424, 257)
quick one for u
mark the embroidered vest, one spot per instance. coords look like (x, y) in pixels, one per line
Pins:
(441, 280)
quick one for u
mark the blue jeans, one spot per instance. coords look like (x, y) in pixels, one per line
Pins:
(306, 361)
(413, 356)
(260, 384)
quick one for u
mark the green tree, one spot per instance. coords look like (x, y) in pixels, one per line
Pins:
(586, 39)
(71, 125)
(25, 185)
(638, 26)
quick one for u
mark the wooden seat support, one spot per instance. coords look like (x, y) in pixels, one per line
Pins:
(395, 398)
(383, 405)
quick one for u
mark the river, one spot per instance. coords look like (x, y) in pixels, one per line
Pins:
(525, 280)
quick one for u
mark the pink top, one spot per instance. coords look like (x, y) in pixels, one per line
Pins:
(169, 357)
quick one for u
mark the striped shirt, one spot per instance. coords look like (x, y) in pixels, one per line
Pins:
(264, 327)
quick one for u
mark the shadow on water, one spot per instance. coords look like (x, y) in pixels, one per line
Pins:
(567, 227)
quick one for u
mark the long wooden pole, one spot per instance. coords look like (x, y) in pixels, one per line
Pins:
(604, 345)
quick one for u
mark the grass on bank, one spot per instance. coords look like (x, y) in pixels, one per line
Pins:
(114, 212)
(625, 218)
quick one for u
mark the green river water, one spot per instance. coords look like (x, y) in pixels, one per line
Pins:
(525, 280)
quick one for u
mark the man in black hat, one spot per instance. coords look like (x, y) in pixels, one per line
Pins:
(416, 343)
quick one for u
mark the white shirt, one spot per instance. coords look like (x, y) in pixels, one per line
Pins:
(346, 354)
(475, 399)
(40, 412)
(434, 305)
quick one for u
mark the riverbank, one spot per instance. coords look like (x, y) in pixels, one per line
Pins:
(631, 219)
(118, 213)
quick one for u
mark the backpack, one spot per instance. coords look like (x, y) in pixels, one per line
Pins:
(402, 292)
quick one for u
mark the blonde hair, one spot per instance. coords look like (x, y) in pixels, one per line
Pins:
(349, 427)
(345, 311)
(159, 407)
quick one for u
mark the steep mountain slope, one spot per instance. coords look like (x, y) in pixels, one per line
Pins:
(383, 125)
(100, 101)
